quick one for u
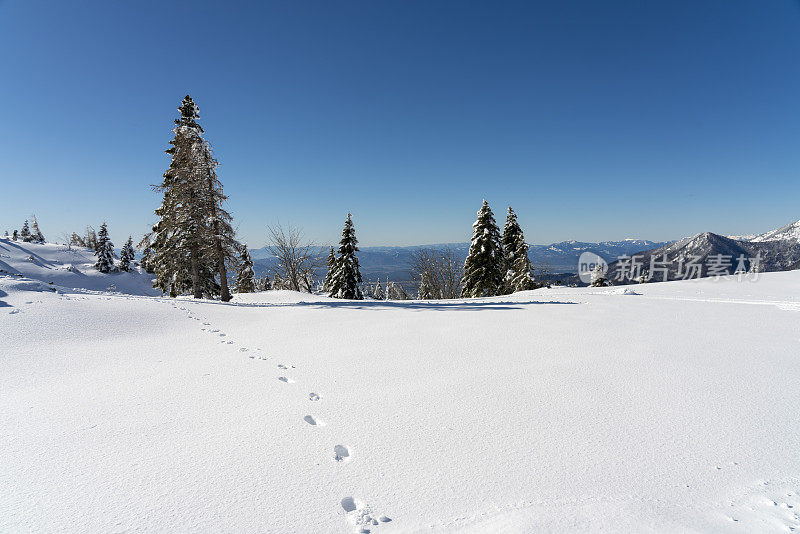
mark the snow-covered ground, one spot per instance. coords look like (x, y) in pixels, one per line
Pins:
(70, 267)
(560, 410)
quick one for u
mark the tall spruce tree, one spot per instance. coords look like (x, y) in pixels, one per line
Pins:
(105, 251)
(485, 263)
(193, 238)
(25, 233)
(346, 280)
(245, 277)
(331, 262)
(518, 275)
(127, 255)
(511, 232)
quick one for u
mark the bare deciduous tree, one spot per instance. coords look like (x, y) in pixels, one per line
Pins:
(296, 261)
(442, 270)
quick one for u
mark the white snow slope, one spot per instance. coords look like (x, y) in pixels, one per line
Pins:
(71, 267)
(561, 410)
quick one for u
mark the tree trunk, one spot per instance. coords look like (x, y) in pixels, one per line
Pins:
(197, 290)
(225, 294)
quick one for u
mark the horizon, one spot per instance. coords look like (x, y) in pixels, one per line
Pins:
(596, 123)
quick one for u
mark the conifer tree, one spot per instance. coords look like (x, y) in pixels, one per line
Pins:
(377, 292)
(346, 280)
(331, 262)
(14, 235)
(511, 232)
(36, 234)
(425, 291)
(518, 269)
(127, 255)
(147, 259)
(6, 234)
(105, 251)
(263, 284)
(485, 263)
(193, 238)
(520, 276)
(245, 277)
(599, 276)
(25, 233)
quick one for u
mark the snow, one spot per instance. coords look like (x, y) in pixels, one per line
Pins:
(70, 267)
(555, 410)
(789, 232)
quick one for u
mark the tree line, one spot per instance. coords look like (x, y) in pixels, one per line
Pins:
(192, 247)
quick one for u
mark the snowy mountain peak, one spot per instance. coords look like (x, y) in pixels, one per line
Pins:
(789, 232)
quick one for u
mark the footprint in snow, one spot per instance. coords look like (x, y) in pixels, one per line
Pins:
(287, 380)
(313, 397)
(341, 453)
(243, 349)
(281, 366)
(312, 421)
(360, 515)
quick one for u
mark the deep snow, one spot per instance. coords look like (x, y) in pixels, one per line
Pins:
(561, 410)
(70, 267)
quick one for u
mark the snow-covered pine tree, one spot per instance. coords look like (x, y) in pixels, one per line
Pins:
(6, 234)
(377, 292)
(223, 246)
(193, 238)
(14, 235)
(425, 291)
(245, 277)
(484, 266)
(599, 276)
(105, 251)
(346, 281)
(511, 232)
(264, 283)
(127, 255)
(331, 262)
(147, 259)
(518, 275)
(25, 233)
(36, 234)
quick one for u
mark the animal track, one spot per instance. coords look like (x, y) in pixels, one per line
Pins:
(313, 397)
(360, 514)
(313, 422)
(341, 453)
(287, 380)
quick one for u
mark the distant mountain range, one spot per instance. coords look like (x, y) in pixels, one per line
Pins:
(709, 254)
(780, 250)
(555, 259)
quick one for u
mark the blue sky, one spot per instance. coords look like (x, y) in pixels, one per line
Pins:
(594, 120)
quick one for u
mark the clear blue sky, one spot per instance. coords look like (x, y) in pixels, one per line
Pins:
(595, 120)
